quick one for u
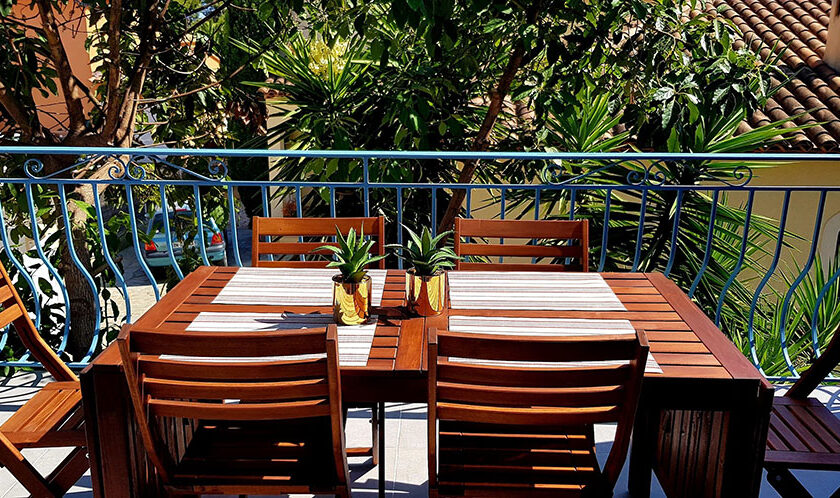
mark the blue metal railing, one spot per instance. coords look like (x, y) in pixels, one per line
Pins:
(564, 185)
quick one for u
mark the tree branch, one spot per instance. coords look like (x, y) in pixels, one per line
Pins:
(69, 87)
(112, 106)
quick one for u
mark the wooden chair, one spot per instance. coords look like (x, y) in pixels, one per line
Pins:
(272, 228)
(52, 418)
(267, 422)
(803, 433)
(570, 244)
(526, 428)
(320, 228)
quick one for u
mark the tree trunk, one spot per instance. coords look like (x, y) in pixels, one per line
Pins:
(480, 142)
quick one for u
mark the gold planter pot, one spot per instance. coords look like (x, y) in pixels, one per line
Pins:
(426, 294)
(351, 301)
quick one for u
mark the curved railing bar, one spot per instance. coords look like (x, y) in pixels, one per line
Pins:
(710, 236)
(36, 296)
(202, 242)
(141, 260)
(233, 229)
(786, 302)
(675, 232)
(36, 239)
(641, 231)
(107, 254)
(770, 271)
(605, 230)
(170, 247)
(741, 255)
(815, 315)
(265, 210)
(71, 248)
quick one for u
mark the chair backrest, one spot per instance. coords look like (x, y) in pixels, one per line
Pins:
(13, 312)
(529, 381)
(811, 378)
(233, 376)
(266, 231)
(569, 241)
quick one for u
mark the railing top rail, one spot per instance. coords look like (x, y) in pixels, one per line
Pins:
(450, 155)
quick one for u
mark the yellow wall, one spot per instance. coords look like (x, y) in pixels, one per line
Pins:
(803, 207)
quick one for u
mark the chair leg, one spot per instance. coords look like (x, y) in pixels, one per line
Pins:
(374, 430)
(381, 432)
(785, 483)
(342, 492)
(23, 471)
(69, 471)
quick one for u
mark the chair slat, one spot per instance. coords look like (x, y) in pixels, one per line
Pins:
(6, 293)
(556, 416)
(526, 229)
(472, 266)
(521, 250)
(538, 349)
(294, 247)
(9, 315)
(254, 391)
(531, 396)
(556, 377)
(229, 371)
(244, 411)
(230, 344)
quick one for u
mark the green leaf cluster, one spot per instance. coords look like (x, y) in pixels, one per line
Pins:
(427, 255)
(351, 255)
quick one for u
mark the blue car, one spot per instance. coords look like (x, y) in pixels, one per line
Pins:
(182, 220)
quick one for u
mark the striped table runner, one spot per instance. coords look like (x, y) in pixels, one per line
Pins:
(289, 287)
(354, 341)
(469, 290)
(543, 327)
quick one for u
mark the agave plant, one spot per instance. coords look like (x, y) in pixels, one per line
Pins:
(351, 255)
(425, 253)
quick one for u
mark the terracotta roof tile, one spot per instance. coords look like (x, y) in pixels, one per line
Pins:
(797, 31)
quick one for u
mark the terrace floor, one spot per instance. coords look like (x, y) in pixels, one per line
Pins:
(405, 449)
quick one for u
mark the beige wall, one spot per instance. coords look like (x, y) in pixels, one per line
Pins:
(72, 18)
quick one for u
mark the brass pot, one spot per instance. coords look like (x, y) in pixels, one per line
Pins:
(351, 301)
(426, 294)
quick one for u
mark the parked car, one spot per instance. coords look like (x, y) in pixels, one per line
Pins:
(181, 221)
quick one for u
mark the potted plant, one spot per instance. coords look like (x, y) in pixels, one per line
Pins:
(425, 281)
(352, 287)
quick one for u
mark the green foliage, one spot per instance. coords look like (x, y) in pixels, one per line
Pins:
(798, 321)
(426, 254)
(352, 255)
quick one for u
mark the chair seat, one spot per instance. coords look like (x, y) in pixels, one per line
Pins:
(53, 417)
(803, 434)
(220, 458)
(498, 460)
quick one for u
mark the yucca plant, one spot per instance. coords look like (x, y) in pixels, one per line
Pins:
(351, 256)
(426, 254)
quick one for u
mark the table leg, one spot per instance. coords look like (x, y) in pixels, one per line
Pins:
(109, 449)
(645, 431)
(381, 449)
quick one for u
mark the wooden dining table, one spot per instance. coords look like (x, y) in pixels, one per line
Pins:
(701, 424)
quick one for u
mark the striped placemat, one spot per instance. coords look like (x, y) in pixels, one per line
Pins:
(354, 341)
(543, 327)
(531, 291)
(289, 287)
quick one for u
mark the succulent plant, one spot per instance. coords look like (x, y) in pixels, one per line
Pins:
(352, 255)
(425, 253)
